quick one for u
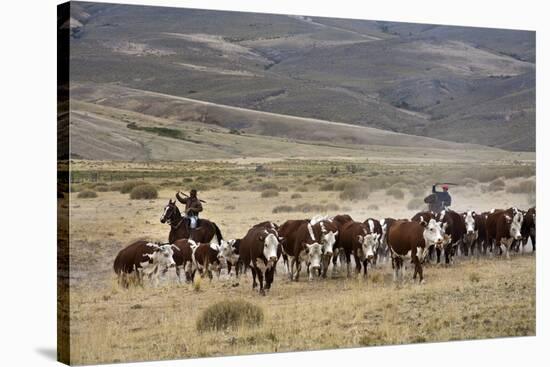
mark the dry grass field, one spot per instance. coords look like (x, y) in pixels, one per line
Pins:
(474, 298)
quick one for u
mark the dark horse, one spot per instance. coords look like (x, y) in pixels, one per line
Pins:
(179, 226)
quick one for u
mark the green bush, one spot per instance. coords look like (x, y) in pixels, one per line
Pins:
(270, 193)
(230, 314)
(395, 192)
(144, 191)
(87, 194)
(129, 186)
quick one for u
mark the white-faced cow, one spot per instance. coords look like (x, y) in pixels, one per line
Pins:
(329, 239)
(260, 250)
(184, 258)
(504, 227)
(357, 239)
(143, 258)
(411, 240)
(308, 249)
(230, 254)
(206, 260)
(475, 235)
(455, 231)
(376, 227)
(529, 228)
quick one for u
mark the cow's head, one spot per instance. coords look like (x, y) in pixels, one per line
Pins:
(515, 222)
(226, 250)
(369, 244)
(314, 253)
(163, 255)
(170, 212)
(270, 245)
(433, 234)
(328, 240)
(470, 221)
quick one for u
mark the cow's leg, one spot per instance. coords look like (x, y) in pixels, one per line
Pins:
(365, 262)
(178, 273)
(418, 269)
(438, 254)
(298, 263)
(292, 261)
(394, 266)
(507, 244)
(534, 242)
(358, 263)
(254, 284)
(261, 281)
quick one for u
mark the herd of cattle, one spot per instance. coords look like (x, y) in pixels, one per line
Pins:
(319, 241)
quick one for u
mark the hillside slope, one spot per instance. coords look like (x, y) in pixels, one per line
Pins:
(413, 78)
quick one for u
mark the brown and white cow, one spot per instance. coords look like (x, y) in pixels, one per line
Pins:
(411, 240)
(205, 259)
(259, 250)
(230, 254)
(376, 227)
(454, 230)
(357, 239)
(184, 258)
(475, 235)
(143, 258)
(308, 249)
(329, 240)
(504, 227)
(339, 220)
(529, 228)
(287, 233)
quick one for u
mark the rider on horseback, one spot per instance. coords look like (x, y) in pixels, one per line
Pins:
(193, 207)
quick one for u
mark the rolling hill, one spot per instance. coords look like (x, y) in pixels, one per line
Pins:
(460, 84)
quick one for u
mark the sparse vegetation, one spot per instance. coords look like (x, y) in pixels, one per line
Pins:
(524, 187)
(395, 192)
(296, 196)
(270, 193)
(229, 314)
(129, 186)
(87, 194)
(144, 191)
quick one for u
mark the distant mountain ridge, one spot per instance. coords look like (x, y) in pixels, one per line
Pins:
(466, 85)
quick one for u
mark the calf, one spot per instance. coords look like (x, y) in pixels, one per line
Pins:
(411, 240)
(376, 227)
(143, 258)
(229, 252)
(357, 239)
(503, 227)
(259, 251)
(184, 258)
(205, 260)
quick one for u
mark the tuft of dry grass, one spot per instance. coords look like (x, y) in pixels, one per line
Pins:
(395, 192)
(415, 204)
(524, 187)
(227, 314)
(87, 194)
(145, 191)
(269, 193)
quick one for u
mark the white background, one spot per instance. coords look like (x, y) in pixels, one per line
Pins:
(28, 180)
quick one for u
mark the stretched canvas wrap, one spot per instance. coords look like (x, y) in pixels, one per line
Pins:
(233, 183)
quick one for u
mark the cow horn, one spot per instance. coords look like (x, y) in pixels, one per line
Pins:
(175, 247)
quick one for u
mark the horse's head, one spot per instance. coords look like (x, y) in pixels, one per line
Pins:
(171, 213)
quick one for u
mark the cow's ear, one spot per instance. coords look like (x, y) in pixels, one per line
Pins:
(360, 238)
(508, 219)
(473, 214)
(423, 223)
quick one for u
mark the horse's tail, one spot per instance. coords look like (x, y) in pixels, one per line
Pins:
(218, 233)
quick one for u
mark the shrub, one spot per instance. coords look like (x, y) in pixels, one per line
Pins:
(524, 187)
(269, 193)
(301, 189)
(117, 186)
(144, 191)
(229, 314)
(87, 194)
(373, 207)
(496, 185)
(267, 186)
(129, 186)
(355, 191)
(474, 277)
(295, 196)
(418, 191)
(329, 186)
(395, 192)
(415, 204)
(102, 188)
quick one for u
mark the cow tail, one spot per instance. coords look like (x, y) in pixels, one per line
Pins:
(218, 233)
